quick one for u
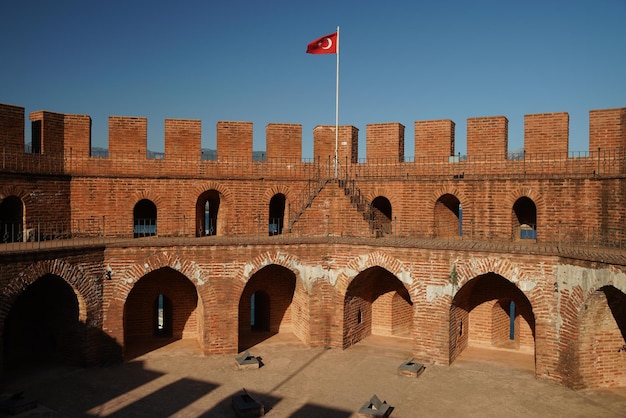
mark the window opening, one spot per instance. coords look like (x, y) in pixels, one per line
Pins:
(512, 321)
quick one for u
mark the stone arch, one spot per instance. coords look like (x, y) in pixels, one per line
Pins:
(12, 190)
(140, 195)
(122, 282)
(83, 284)
(540, 209)
(286, 299)
(384, 192)
(373, 259)
(574, 294)
(224, 198)
(342, 337)
(66, 310)
(277, 220)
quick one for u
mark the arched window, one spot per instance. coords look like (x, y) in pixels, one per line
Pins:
(277, 214)
(448, 216)
(381, 212)
(11, 219)
(144, 219)
(163, 316)
(207, 208)
(525, 218)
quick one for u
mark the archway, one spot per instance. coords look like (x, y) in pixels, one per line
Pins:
(162, 307)
(144, 219)
(277, 214)
(448, 216)
(491, 312)
(602, 345)
(11, 219)
(266, 305)
(376, 303)
(524, 218)
(207, 208)
(382, 213)
(43, 328)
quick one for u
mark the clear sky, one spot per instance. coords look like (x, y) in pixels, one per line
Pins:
(400, 61)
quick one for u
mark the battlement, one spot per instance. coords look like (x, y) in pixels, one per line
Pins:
(67, 138)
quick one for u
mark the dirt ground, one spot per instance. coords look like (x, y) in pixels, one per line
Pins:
(294, 381)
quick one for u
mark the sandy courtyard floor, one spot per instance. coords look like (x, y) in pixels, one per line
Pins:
(295, 381)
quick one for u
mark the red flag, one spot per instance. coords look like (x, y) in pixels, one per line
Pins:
(324, 45)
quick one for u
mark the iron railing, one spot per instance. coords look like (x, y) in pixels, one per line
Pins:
(596, 163)
(588, 242)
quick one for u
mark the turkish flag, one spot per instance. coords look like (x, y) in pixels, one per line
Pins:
(324, 45)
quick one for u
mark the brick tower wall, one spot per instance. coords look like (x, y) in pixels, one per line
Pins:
(385, 141)
(347, 144)
(77, 136)
(48, 132)
(12, 128)
(546, 133)
(434, 138)
(183, 139)
(128, 138)
(607, 129)
(488, 135)
(234, 141)
(283, 141)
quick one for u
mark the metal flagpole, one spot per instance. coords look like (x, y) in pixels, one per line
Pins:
(337, 109)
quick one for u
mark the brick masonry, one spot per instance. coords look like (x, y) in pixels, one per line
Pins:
(569, 311)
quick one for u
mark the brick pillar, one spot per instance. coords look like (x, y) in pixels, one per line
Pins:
(488, 136)
(347, 144)
(47, 132)
(183, 139)
(128, 138)
(12, 128)
(607, 129)
(434, 138)
(77, 136)
(384, 141)
(234, 141)
(283, 141)
(546, 133)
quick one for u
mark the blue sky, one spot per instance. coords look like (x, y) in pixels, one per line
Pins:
(400, 61)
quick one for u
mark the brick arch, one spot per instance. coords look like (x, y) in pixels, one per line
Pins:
(451, 190)
(381, 191)
(148, 195)
(124, 281)
(467, 270)
(212, 185)
(15, 191)
(374, 259)
(573, 306)
(280, 258)
(82, 284)
(532, 194)
(274, 190)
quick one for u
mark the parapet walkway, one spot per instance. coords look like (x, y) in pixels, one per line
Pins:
(294, 381)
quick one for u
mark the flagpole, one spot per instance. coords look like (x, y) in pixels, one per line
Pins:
(337, 109)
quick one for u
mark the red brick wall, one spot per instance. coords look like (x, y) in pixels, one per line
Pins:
(183, 139)
(283, 141)
(76, 129)
(52, 131)
(434, 139)
(607, 129)
(234, 141)
(546, 133)
(385, 142)
(347, 144)
(488, 136)
(128, 138)
(12, 127)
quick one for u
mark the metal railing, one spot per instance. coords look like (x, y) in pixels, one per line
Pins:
(587, 242)
(594, 163)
